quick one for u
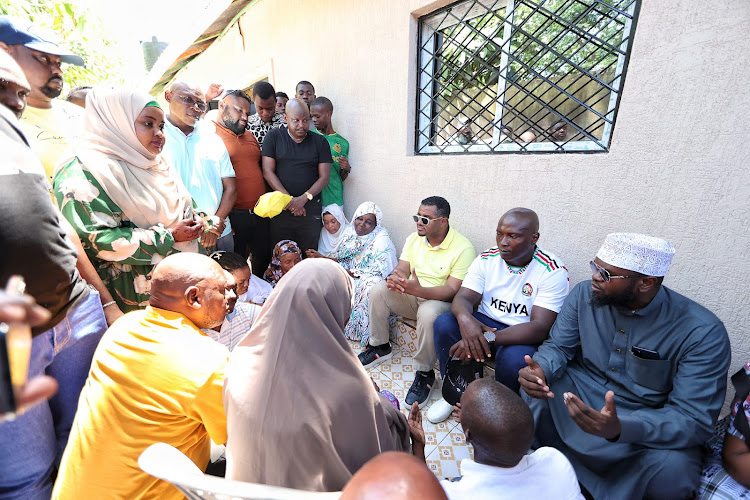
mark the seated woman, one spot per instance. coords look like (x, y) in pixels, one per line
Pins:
(286, 254)
(301, 410)
(242, 314)
(334, 226)
(128, 206)
(730, 447)
(367, 253)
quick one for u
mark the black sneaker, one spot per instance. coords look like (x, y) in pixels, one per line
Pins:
(420, 389)
(374, 355)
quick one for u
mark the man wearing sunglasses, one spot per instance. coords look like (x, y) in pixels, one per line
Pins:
(632, 378)
(202, 161)
(430, 271)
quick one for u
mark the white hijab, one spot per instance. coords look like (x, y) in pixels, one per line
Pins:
(328, 242)
(145, 187)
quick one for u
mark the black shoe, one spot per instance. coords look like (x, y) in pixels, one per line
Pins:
(420, 389)
(374, 355)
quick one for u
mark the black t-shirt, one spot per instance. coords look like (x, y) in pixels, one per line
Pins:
(32, 242)
(297, 163)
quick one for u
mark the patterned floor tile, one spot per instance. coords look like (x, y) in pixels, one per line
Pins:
(445, 442)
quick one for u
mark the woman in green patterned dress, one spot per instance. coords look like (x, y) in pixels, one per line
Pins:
(127, 204)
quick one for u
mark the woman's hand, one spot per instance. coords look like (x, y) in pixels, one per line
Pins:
(313, 254)
(416, 431)
(186, 230)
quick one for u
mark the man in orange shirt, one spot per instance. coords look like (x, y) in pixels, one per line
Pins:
(250, 231)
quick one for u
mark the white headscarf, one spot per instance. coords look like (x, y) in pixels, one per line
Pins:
(328, 242)
(142, 184)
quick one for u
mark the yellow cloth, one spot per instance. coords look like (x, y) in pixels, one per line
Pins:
(271, 204)
(52, 131)
(155, 377)
(435, 264)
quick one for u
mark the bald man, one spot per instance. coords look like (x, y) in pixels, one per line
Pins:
(396, 476)
(499, 426)
(202, 160)
(155, 377)
(298, 163)
(519, 288)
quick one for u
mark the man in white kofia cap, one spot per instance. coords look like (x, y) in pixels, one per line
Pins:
(632, 378)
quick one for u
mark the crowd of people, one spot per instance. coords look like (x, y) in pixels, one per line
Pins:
(172, 312)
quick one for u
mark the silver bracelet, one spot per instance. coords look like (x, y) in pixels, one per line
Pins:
(108, 304)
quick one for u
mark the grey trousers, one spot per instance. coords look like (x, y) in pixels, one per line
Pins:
(616, 471)
(384, 303)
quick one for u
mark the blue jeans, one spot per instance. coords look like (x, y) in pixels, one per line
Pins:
(508, 358)
(33, 443)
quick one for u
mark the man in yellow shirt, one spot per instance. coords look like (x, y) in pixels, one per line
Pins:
(155, 377)
(52, 125)
(430, 271)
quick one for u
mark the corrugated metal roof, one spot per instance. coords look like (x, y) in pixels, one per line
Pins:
(212, 34)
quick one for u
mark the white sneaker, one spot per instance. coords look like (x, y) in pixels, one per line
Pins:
(439, 411)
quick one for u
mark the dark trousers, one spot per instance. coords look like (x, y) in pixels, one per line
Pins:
(508, 358)
(303, 229)
(251, 236)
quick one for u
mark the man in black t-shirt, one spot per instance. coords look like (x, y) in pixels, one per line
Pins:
(298, 163)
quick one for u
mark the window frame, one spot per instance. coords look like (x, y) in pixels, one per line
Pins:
(427, 66)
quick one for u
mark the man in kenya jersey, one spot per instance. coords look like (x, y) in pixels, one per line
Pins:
(519, 287)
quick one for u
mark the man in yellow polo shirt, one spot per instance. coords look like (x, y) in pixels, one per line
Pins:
(155, 377)
(430, 271)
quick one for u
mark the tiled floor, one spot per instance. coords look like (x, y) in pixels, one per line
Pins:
(446, 446)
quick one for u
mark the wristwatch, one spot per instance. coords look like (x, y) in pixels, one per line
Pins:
(309, 196)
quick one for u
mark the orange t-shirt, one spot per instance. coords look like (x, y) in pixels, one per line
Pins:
(244, 152)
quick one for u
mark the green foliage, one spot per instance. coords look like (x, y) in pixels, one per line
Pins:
(76, 29)
(545, 32)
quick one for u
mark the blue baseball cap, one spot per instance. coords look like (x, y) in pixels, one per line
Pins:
(17, 32)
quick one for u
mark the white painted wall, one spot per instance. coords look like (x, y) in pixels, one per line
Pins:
(678, 165)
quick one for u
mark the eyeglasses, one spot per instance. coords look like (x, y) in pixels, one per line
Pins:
(424, 220)
(192, 103)
(606, 275)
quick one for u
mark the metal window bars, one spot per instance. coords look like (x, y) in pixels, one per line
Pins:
(522, 75)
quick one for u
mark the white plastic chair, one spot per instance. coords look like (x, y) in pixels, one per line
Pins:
(170, 464)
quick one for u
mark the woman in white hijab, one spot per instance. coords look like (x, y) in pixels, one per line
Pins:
(128, 206)
(301, 410)
(368, 254)
(334, 226)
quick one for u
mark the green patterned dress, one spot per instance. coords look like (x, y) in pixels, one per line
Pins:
(123, 254)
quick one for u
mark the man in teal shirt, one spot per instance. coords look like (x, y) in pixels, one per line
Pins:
(321, 110)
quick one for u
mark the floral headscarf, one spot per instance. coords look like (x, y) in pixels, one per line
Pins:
(274, 273)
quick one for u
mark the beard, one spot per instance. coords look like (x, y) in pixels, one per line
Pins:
(624, 298)
(233, 125)
(50, 91)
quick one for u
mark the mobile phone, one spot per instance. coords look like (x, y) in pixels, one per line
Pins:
(7, 396)
(640, 352)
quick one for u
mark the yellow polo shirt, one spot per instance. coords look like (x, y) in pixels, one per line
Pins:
(435, 264)
(154, 378)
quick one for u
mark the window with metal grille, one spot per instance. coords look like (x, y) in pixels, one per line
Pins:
(522, 75)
